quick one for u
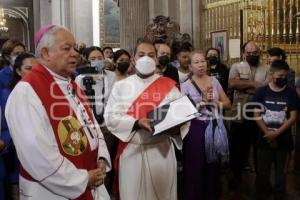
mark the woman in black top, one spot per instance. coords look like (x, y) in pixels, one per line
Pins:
(216, 68)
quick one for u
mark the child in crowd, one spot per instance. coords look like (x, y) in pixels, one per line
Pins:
(275, 113)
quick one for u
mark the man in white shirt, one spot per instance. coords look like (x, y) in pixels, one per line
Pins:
(245, 78)
(60, 147)
(183, 57)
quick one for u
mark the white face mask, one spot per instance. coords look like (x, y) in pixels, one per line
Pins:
(145, 65)
(12, 60)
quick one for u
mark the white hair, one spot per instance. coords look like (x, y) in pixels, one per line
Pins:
(47, 40)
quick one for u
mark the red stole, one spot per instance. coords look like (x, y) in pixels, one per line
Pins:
(139, 110)
(57, 105)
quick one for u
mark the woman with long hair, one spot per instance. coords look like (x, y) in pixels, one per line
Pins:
(9, 51)
(122, 62)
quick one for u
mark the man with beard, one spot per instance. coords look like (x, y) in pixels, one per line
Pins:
(245, 78)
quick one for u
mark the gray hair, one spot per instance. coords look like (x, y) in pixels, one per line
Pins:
(47, 40)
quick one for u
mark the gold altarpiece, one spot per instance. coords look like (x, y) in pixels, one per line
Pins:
(271, 23)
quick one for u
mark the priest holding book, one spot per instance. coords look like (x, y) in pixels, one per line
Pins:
(146, 164)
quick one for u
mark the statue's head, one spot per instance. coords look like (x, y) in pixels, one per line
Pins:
(162, 29)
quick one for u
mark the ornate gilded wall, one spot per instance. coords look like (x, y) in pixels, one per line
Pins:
(268, 22)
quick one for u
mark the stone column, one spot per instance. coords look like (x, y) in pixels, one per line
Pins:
(168, 8)
(56, 12)
(134, 17)
(186, 17)
(158, 8)
(61, 13)
(42, 13)
(196, 23)
(190, 19)
(173, 10)
(81, 20)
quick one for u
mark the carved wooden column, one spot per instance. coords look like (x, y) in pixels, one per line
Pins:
(134, 17)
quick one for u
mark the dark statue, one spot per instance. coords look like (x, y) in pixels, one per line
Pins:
(162, 30)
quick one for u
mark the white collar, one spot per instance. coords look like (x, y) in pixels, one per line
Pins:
(57, 76)
(148, 79)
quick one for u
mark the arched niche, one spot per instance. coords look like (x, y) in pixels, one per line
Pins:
(18, 25)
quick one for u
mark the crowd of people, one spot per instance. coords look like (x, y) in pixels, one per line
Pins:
(75, 125)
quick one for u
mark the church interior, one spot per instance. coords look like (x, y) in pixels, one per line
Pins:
(269, 23)
(225, 25)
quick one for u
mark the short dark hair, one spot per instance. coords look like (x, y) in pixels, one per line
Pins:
(143, 41)
(279, 65)
(8, 47)
(184, 48)
(119, 53)
(276, 51)
(217, 50)
(17, 66)
(104, 48)
(160, 41)
(89, 50)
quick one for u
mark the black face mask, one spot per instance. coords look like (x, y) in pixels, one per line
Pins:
(281, 82)
(164, 60)
(123, 67)
(213, 60)
(252, 60)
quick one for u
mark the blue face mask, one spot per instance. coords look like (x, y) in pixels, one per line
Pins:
(97, 64)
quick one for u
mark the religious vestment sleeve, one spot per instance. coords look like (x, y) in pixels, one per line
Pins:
(102, 149)
(116, 118)
(79, 82)
(37, 147)
(177, 139)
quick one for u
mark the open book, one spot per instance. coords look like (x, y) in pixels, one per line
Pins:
(172, 114)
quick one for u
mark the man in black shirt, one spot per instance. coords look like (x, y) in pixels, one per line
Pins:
(275, 113)
(164, 67)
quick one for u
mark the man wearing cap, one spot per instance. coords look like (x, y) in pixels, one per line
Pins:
(61, 149)
(146, 164)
